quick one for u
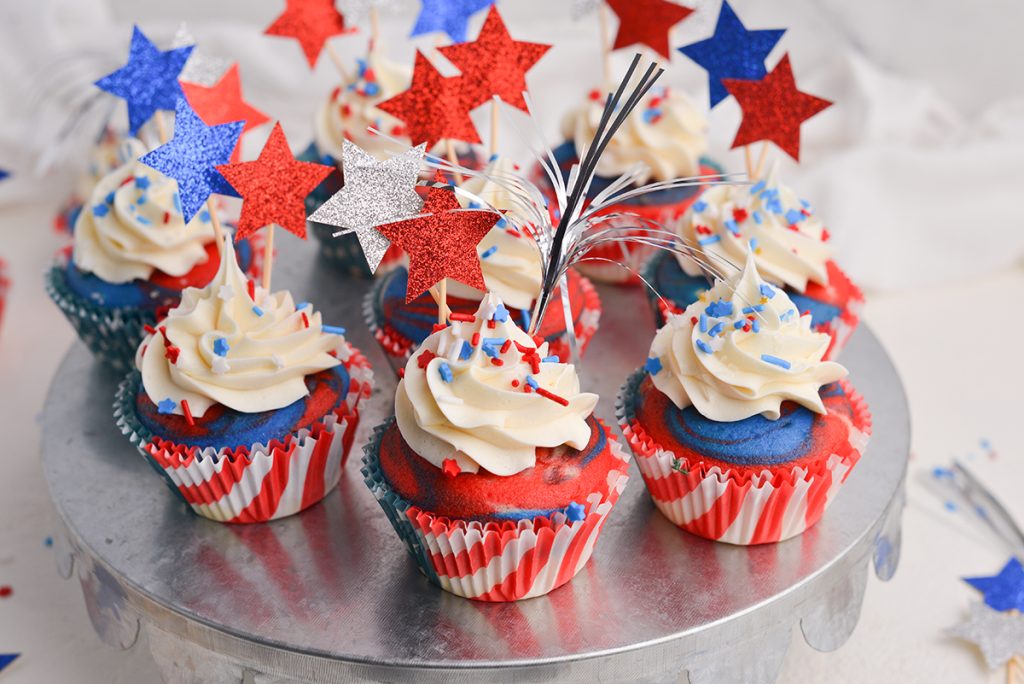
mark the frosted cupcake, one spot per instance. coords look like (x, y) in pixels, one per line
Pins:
(494, 471)
(667, 134)
(246, 403)
(741, 431)
(132, 256)
(790, 245)
(511, 267)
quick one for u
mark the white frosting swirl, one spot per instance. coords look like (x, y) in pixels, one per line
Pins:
(789, 242)
(132, 225)
(665, 132)
(509, 258)
(729, 373)
(251, 354)
(484, 415)
(351, 109)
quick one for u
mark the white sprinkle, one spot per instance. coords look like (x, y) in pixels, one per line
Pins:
(220, 365)
(225, 293)
(278, 361)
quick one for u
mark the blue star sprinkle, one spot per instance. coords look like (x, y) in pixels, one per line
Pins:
(500, 313)
(7, 658)
(166, 406)
(149, 81)
(450, 16)
(192, 155)
(653, 365)
(1004, 591)
(575, 512)
(732, 52)
(220, 347)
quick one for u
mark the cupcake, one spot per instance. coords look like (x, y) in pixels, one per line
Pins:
(494, 471)
(132, 256)
(741, 431)
(510, 262)
(665, 133)
(791, 248)
(243, 401)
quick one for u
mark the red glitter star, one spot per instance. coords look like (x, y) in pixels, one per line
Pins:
(773, 108)
(494, 64)
(274, 187)
(441, 244)
(311, 22)
(223, 103)
(647, 22)
(434, 107)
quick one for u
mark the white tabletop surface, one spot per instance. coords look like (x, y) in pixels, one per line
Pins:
(956, 342)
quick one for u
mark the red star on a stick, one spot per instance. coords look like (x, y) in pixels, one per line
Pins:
(647, 22)
(223, 103)
(773, 108)
(311, 22)
(434, 107)
(274, 187)
(442, 244)
(494, 64)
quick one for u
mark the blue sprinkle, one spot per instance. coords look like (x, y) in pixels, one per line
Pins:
(709, 240)
(942, 473)
(493, 157)
(550, 359)
(950, 506)
(466, 351)
(651, 115)
(446, 372)
(757, 308)
(141, 200)
(332, 330)
(716, 329)
(794, 216)
(731, 225)
(489, 251)
(575, 512)
(109, 199)
(776, 361)
(719, 309)
(703, 346)
(982, 513)
(204, 216)
(100, 210)
(491, 346)
(767, 290)
(739, 324)
(531, 382)
(220, 347)
(806, 204)
(755, 325)
(48, 542)
(699, 206)
(177, 201)
(141, 182)
(753, 244)
(757, 217)
(474, 205)
(526, 319)
(500, 314)
(144, 221)
(703, 322)
(166, 406)
(361, 66)
(257, 310)
(328, 160)
(371, 88)
(758, 187)
(500, 223)
(787, 315)
(301, 305)
(653, 365)
(985, 444)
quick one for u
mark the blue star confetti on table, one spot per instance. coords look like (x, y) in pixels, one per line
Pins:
(192, 155)
(450, 16)
(149, 81)
(6, 659)
(732, 52)
(1004, 591)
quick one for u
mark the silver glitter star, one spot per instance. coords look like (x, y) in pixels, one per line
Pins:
(999, 635)
(355, 11)
(374, 193)
(200, 68)
(581, 8)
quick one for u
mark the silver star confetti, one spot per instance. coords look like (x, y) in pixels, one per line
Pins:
(200, 68)
(374, 193)
(355, 11)
(581, 8)
(999, 635)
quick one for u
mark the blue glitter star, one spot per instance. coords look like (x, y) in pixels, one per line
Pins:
(4, 174)
(653, 365)
(7, 658)
(450, 16)
(192, 155)
(148, 81)
(732, 52)
(1004, 591)
(166, 406)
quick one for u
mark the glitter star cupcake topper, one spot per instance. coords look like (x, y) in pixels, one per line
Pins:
(312, 23)
(448, 16)
(222, 103)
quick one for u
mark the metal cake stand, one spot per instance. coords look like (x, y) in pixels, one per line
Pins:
(290, 601)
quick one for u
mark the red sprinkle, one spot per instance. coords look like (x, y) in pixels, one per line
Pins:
(150, 330)
(535, 364)
(171, 352)
(825, 235)
(693, 320)
(397, 130)
(252, 290)
(401, 372)
(475, 340)
(515, 383)
(425, 357)
(538, 340)
(594, 94)
(127, 180)
(188, 412)
(505, 347)
(163, 331)
(450, 467)
(438, 327)
(346, 110)
(739, 215)
(497, 362)
(524, 350)
(462, 318)
(6, 591)
(491, 324)
(793, 227)
(552, 396)
(167, 217)
(746, 327)
(305, 319)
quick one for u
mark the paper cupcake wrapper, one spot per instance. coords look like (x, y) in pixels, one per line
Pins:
(398, 348)
(494, 561)
(841, 328)
(723, 505)
(257, 482)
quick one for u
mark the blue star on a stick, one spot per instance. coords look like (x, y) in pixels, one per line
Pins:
(732, 52)
(191, 157)
(148, 82)
(450, 16)
(1004, 591)
(7, 658)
